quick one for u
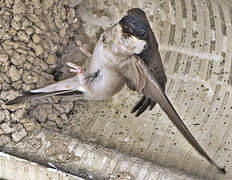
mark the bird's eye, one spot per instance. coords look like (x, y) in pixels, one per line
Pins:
(142, 34)
(126, 36)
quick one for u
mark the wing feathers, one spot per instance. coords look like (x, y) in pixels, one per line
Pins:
(175, 118)
(150, 87)
(67, 87)
(30, 95)
(150, 56)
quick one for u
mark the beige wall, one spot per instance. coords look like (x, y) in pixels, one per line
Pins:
(195, 44)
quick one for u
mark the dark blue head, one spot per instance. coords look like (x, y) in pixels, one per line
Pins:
(133, 26)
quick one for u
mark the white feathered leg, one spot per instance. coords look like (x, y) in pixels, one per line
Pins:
(84, 50)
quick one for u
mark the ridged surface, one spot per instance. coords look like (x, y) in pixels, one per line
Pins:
(90, 161)
(195, 38)
(195, 43)
(20, 169)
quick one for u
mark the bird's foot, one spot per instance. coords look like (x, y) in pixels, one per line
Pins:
(83, 49)
(75, 68)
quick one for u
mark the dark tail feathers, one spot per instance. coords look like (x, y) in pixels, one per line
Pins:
(30, 95)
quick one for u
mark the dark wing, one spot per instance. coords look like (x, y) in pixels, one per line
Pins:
(27, 96)
(69, 89)
(64, 88)
(143, 79)
(135, 24)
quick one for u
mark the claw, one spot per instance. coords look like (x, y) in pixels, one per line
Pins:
(75, 67)
(83, 50)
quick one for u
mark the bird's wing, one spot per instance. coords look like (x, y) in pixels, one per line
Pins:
(144, 81)
(67, 87)
(150, 56)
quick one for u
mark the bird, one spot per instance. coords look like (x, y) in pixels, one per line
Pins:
(126, 54)
(150, 56)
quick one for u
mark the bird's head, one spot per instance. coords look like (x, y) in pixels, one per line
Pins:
(126, 38)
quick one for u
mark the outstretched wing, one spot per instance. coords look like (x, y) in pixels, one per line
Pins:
(144, 81)
(67, 87)
(137, 22)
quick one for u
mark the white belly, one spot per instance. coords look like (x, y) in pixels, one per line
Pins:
(109, 81)
(108, 84)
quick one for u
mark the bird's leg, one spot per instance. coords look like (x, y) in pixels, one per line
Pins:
(75, 68)
(83, 49)
(78, 69)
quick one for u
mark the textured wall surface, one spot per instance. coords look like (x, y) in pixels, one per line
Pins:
(16, 168)
(38, 37)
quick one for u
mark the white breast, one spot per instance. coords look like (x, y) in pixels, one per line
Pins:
(109, 81)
